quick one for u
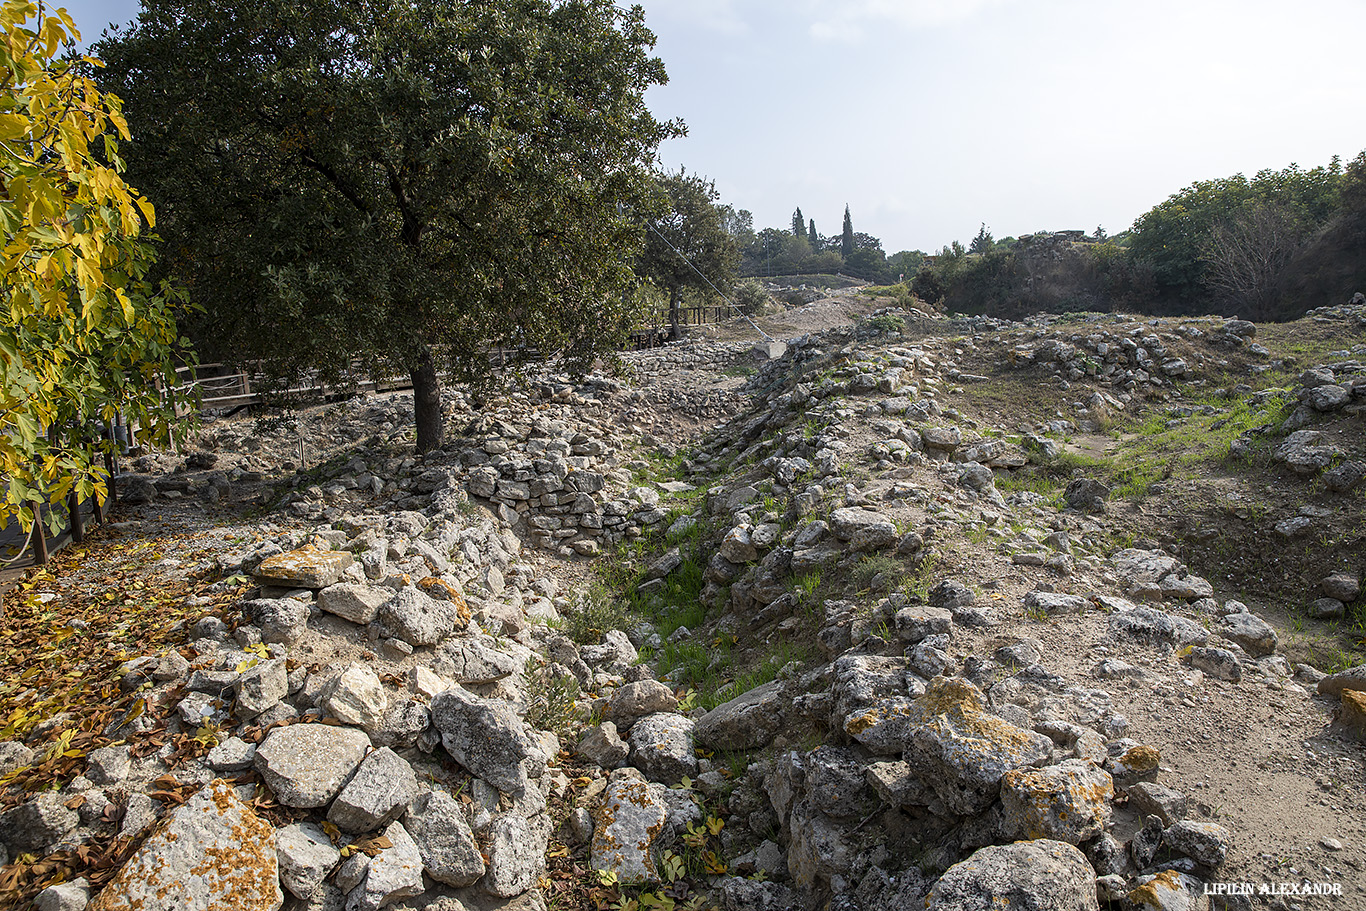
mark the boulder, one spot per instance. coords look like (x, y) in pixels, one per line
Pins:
(627, 823)
(1206, 843)
(1304, 452)
(38, 824)
(395, 873)
(417, 618)
(306, 765)
(377, 794)
(282, 620)
(488, 738)
(438, 827)
(403, 724)
(1055, 603)
(305, 856)
(1253, 633)
(961, 750)
(737, 547)
(861, 681)
(820, 848)
(69, 896)
(637, 699)
(1066, 802)
(1345, 477)
(516, 853)
(356, 697)
(1039, 875)
(213, 854)
(1156, 628)
(1354, 678)
(1086, 495)
(603, 746)
(1168, 890)
(1342, 586)
(941, 439)
(750, 721)
(353, 601)
(916, 621)
(261, 687)
(837, 782)
(662, 747)
(470, 660)
(849, 521)
(1219, 663)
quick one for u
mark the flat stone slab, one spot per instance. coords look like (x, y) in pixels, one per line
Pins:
(627, 823)
(306, 567)
(214, 854)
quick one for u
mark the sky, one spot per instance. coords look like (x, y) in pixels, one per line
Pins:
(929, 118)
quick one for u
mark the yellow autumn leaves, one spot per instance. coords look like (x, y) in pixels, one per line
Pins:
(83, 334)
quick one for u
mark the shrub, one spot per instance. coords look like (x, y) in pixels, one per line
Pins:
(751, 297)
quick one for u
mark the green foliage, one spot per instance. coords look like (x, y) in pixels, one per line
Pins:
(870, 566)
(552, 702)
(596, 612)
(885, 323)
(983, 242)
(751, 297)
(807, 585)
(85, 333)
(688, 247)
(720, 688)
(419, 184)
(904, 264)
(1174, 237)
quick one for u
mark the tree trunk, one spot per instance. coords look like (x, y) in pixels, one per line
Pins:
(427, 403)
(675, 299)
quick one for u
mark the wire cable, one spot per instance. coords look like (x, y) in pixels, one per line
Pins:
(723, 297)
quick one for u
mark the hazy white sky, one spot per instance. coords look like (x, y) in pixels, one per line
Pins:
(928, 117)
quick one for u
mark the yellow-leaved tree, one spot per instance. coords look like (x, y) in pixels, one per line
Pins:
(84, 333)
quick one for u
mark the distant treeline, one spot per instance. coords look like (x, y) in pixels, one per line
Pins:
(802, 250)
(1265, 248)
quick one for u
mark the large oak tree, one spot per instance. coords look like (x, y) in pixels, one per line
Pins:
(416, 183)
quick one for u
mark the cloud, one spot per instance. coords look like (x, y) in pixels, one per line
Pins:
(847, 21)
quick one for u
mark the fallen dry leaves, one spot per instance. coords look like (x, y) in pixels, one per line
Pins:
(65, 630)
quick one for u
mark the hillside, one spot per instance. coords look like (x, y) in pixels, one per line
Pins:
(1076, 597)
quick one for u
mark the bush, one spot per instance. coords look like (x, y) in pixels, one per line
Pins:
(751, 297)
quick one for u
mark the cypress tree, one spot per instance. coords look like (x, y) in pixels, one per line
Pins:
(847, 240)
(798, 223)
(813, 237)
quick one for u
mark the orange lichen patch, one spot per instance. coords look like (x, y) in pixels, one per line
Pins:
(1141, 758)
(1352, 712)
(1150, 893)
(441, 590)
(873, 717)
(956, 704)
(1070, 802)
(307, 567)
